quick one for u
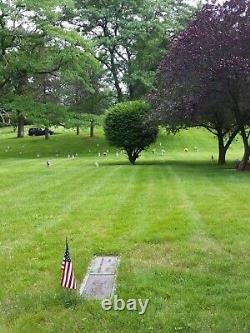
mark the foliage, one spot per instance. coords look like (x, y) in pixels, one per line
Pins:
(129, 37)
(83, 120)
(43, 114)
(46, 52)
(204, 79)
(34, 44)
(130, 125)
(85, 105)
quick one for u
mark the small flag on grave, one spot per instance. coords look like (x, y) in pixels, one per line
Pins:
(68, 276)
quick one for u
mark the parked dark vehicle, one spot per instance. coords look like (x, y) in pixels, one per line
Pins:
(34, 131)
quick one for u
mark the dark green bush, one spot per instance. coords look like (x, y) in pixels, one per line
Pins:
(131, 126)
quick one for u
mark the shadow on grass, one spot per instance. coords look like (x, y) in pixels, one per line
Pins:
(173, 163)
(42, 137)
(191, 169)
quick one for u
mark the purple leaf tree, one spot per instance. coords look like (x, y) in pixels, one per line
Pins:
(204, 79)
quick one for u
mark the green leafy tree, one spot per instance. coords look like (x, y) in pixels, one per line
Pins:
(86, 105)
(34, 42)
(85, 120)
(131, 126)
(204, 79)
(129, 37)
(39, 113)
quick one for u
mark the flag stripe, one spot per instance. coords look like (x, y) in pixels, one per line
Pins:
(68, 277)
(65, 273)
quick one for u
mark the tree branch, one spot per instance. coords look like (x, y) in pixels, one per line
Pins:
(210, 129)
(231, 137)
(50, 71)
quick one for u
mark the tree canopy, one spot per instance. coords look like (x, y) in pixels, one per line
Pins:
(131, 126)
(129, 37)
(204, 78)
(33, 43)
(75, 53)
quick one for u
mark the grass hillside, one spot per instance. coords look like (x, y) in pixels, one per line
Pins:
(179, 223)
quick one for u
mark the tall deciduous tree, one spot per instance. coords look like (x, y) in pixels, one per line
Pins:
(86, 105)
(33, 43)
(129, 37)
(206, 73)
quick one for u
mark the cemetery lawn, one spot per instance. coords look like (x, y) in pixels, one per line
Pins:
(179, 223)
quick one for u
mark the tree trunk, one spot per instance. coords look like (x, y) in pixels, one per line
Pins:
(131, 87)
(20, 126)
(240, 121)
(245, 158)
(246, 155)
(222, 150)
(46, 133)
(131, 92)
(20, 92)
(132, 159)
(132, 155)
(91, 130)
(77, 130)
(113, 69)
(222, 156)
(222, 145)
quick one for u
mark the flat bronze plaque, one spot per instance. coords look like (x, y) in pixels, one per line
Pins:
(103, 265)
(98, 286)
(100, 280)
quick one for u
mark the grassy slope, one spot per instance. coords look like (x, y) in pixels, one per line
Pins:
(179, 223)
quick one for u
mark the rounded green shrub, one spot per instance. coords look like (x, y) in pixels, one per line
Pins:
(131, 126)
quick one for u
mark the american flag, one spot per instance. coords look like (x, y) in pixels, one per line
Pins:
(68, 276)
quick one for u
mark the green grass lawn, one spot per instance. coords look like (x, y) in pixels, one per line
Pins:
(179, 223)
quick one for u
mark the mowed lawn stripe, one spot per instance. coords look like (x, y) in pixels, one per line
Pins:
(37, 245)
(17, 182)
(44, 197)
(154, 206)
(195, 273)
(58, 196)
(101, 219)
